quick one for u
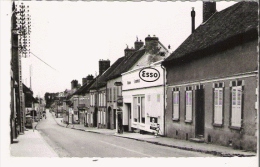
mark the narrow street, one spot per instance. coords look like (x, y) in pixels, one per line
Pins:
(73, 143)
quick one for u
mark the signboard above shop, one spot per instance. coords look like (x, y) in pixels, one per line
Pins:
(118, 84)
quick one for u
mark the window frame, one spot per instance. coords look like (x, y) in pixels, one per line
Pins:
(175, 91)
(188, 89)
(236, 84)
(137, 110)
(219, 87)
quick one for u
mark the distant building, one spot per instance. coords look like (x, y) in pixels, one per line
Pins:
(98, 96)
(83, 95)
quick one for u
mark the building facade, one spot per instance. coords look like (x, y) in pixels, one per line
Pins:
(144, 99)
(212, 88)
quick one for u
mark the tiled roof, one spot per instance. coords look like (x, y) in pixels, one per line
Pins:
(223, 30)
(101, 81)
(126, 64)
(27, 90)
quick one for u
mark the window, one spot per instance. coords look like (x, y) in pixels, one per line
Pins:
(104, 97)
(188, 105)
(158, 97)
(76, 103)
(218, 103)
(119, 89)
(137, 81)
(99, 99)
(135, 109)
(110, 94)
(114, 94)
(139, 109)
(154, 118)
(176, 104)
(236, 104)
(128, 82)
(143, 109)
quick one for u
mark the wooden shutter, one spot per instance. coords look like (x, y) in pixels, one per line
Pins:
(188, 105)
(176, 101)
(218, 105)
(236, 106)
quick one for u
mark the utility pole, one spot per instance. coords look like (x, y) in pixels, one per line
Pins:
(21, 29)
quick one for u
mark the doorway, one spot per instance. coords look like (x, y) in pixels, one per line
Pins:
(95, 117)
(128, 105)
(114, 117)
(109, 117)
(199, 112)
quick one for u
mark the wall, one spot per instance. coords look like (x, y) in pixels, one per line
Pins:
(237, 60)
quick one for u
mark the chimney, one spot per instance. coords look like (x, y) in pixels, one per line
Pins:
(84, 80)
(103, 66)
(209, 8)
(192, 20)
(151, 44)
(74, 84)
(138, 44)
(129, 52)
(89, 78)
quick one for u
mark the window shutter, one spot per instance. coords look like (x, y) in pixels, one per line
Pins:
(176, 104)
(188, 105)
(218, 105)
(236, 106)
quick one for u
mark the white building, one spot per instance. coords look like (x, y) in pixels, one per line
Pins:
(143, 90)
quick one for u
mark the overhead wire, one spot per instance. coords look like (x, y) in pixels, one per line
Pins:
(43, 61)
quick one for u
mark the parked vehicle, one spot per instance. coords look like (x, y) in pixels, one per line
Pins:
(28, 121)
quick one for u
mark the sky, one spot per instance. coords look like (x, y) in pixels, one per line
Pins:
(72, 37)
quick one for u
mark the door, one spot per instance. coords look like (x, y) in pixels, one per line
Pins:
(108, 118)
(114, 118)
(129, 117)
(199, 112)
(95, 116)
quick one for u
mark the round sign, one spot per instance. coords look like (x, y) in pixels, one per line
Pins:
(149, 74)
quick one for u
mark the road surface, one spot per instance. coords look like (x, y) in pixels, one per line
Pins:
(74, 143)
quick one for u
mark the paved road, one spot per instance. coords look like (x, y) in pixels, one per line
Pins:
(74, 143)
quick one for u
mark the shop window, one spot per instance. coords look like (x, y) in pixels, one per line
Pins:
(139, 109)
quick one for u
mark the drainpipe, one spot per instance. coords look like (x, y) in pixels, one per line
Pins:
(164, 85)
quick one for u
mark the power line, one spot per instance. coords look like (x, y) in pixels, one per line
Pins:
(43, 61)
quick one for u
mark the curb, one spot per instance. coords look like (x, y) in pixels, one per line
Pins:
(216, 153)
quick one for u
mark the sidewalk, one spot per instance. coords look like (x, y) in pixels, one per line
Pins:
(166, 141)
(31, 144)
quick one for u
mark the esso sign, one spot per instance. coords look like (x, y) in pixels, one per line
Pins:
(149, 74)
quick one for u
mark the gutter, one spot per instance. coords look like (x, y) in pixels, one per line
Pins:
(164, 101)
